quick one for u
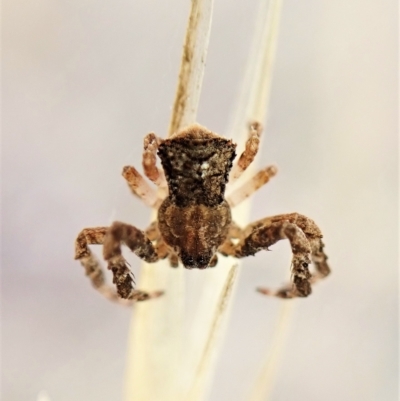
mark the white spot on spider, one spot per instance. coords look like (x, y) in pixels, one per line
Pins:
(204, 167)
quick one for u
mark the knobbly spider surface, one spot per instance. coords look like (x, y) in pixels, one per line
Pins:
(194, 221)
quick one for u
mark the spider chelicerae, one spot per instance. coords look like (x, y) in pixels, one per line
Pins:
(194, 221)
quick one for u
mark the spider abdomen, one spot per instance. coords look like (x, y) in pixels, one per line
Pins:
(195, 231)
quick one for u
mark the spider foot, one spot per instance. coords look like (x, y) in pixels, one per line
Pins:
(299, 289)
(122, 276)
(301, 280)
(124, 280)
(285, 293)
(137, 295)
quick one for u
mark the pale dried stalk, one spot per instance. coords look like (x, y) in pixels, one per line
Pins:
(207, 327)
(255, 101)
(192, 66)
(265, 380)
(252, 106)
(199, 384)
(155, 343)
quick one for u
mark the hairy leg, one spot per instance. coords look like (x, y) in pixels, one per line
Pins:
(319, 259)
(305, 240)
(173, 259)
(140, 187)
(251, 186)
(152, 232)
(152, 172)
(235, 234)
(137, 242)
(249, 153)
(122, 275)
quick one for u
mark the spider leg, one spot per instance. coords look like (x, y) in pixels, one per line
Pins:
(137, 242)
(319, 259)
(251, 186)
(305, 240)
(321, 266)
(249, 153)
(152, 172)
(235, 234)
(152, 232)
(140, 187)
(173, 259)
(123, 278)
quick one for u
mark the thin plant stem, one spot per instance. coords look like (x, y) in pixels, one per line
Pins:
(192, 66)
(155, 340)
(252, 106)
(263, 385)
(254, 100)
(255, 93)
(196, 391)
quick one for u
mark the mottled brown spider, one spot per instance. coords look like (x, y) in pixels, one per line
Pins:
(194, 219)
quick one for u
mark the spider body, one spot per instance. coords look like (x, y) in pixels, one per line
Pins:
(194, 221)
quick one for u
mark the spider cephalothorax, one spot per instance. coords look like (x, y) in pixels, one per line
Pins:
(194, 219)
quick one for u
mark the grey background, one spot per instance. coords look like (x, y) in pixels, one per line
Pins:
(83, 81)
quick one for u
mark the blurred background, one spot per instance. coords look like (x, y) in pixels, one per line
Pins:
(84, 81)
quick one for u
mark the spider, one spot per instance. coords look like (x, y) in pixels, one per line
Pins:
(194, 217)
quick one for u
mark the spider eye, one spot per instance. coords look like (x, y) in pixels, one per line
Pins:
(187, 260)
(190, 262)
(201, 261)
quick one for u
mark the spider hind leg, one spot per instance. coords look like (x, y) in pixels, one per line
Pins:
(305, 240)
(122, 276)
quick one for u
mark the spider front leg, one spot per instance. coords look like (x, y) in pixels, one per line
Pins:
(152, 172)
(249, 153)
(123, 278)
(305, 240)
(140, 187)
(251, 186)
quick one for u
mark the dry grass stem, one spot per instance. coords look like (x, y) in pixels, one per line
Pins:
(265, 380)
(252, 106)
(155, 342)
(199, 383)
(192, 65)
(253, 101)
